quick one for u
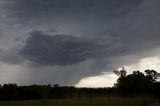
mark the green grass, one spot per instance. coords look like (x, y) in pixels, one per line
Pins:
(85, 102)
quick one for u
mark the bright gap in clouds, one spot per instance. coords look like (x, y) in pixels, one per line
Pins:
(98, 81)
(146, 63)
(109, 80)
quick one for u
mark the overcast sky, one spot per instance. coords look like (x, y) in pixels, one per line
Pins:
(77, 42)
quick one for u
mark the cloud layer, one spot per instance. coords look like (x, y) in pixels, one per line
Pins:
(63, 50)
(86, 37)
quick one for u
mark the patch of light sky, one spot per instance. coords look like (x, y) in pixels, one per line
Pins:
(106, 80)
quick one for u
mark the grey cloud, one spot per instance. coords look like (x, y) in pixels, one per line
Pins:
(111, 33)
(29, 10)
(11, 56)
(64, 49)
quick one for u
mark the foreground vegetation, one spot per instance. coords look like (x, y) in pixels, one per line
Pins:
(130, 90)
(86, 102)
(135, 84)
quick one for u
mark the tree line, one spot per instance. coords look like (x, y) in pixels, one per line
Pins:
(135, 84)
(14, 92)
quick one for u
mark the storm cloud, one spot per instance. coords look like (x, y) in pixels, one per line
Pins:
(75, 38)
(27, 10)
(62, 50)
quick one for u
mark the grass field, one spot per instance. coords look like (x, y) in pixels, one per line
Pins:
(86, 102)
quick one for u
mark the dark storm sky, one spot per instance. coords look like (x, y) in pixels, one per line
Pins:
(63, 41)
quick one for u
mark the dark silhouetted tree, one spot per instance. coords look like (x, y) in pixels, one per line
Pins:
(136, 83)
(121, 73)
